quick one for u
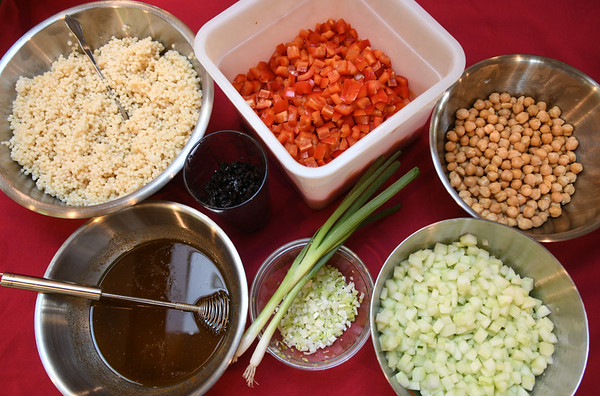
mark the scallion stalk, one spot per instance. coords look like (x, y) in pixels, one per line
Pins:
(354, 211)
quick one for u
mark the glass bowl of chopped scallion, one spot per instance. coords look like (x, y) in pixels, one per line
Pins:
(328, 321)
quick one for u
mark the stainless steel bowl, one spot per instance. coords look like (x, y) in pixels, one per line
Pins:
(545, 79)
(527, 257)
(33, 54)
(62, 324)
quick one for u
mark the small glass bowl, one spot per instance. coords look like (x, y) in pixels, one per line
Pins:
(270, 275)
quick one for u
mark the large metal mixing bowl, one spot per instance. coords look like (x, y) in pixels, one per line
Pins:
(62, 324)
(552, 284)
(33, 54)
(544, 79)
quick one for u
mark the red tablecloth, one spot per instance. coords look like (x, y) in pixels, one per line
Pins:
(564, 30)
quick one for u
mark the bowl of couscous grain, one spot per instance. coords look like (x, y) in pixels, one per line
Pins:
(65, 150)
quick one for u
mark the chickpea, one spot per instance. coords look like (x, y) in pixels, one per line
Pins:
(547, 138)
(556, 196)
(535, 194)
(518, 108)
(571, 143)
(543, 116)
(470, 181)
(501, 196)
(541, 153)
(555, 210)
(512, 211)
(530, 179)
(517, 162)
(528, 101)
(569, 189)
(506, 175)
(495, 207)
(535, 141)
(479, 171)
(528, 212)
(535, 124)
(567, 129)
(545, 128)
(494, 98)
(532, 110)
(450, 146)
(464, 140)
(557, 130)
(563, 160)
(576, 168)
(517, 173)
(537, 221)
(479, 104)
(513, 201)
(572, 177)
(522, 117)
(462, 114)
(526, 190)
(554, 112)
(544, 203)
(485, 204)
(545, 169)
(469, 126)
(465, 195)
(482, 145)
(559, 170)
(492, 216)
(494, 187)
(471, 152)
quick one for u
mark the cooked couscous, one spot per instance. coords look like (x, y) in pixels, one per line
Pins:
(69, 136)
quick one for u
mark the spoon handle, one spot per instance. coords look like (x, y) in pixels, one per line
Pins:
(77, 30)
(75, 27)
(49, 286)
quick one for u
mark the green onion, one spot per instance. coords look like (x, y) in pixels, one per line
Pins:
(354, 211)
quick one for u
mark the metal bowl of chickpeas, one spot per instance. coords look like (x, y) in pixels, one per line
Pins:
(515, 140)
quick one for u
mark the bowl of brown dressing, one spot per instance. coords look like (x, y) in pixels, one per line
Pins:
(156, 250)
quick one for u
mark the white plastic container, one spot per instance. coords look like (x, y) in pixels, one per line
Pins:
(419, 47)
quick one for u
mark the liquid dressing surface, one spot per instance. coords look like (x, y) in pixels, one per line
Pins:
(149, 345)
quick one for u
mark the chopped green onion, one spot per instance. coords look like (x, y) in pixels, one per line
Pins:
(356, 210)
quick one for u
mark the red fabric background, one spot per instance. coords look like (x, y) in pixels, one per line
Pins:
(564, 30)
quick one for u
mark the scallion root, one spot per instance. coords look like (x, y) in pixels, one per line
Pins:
(249, 375)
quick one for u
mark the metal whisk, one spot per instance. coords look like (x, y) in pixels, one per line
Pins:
(212, 310)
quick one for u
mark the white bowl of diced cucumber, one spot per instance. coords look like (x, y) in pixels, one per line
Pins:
(469, 306)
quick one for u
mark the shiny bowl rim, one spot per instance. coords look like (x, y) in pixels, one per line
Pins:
(357, 263)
